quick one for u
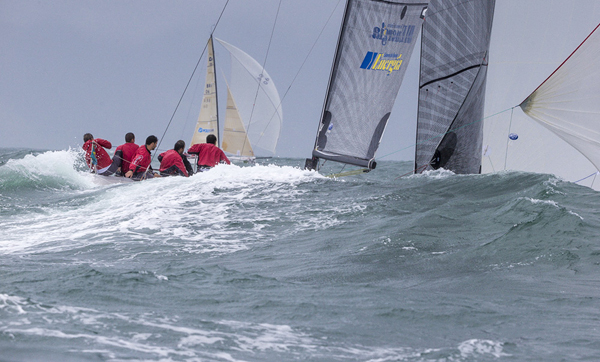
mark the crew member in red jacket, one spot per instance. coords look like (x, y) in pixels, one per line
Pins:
(172, 162)
(123, 156)
(96, 156)
(209, 155)
(140, 168)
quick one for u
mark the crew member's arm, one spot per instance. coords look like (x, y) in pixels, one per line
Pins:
(104, 143)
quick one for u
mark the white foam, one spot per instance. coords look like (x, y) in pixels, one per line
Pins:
(474, 348)
(194, 211)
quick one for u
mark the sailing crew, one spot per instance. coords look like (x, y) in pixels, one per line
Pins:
(140, 168)
(96, 156)
(174, 162)
(209, 155)
(123, 156)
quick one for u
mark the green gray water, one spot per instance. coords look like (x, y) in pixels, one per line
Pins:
(273, 263)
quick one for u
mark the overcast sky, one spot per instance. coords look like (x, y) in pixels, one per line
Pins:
(111, 67)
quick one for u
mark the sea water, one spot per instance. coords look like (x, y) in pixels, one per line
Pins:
(270, 262)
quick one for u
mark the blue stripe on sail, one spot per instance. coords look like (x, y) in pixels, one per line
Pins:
(368, 61)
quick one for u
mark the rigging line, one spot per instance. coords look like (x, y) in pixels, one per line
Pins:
(443, 134)
(189, 81)
(300, 69)
(594, 174)
(508, 138)
(262, 71)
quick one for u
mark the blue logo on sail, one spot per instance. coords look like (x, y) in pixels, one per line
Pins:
(382, 61)
(394, 33)
(201, 130)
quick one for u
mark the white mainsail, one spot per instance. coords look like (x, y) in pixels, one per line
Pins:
(235, 139)
(257, 100)
(208, 119)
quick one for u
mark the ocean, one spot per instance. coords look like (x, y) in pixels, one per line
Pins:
(270, 262)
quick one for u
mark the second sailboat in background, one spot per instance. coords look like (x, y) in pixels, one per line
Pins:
(253, 116)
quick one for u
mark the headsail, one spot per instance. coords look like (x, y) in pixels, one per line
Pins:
(257, 100)
(454, 55)
(376, 42)
(235, 139)
(568, 102)
(208, 120)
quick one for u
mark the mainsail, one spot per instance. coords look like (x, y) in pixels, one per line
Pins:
(208, 120)
(375, 44)
(568, 102)
(454, 55)
(257, 100)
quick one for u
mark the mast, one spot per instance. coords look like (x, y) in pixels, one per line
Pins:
(212, 51)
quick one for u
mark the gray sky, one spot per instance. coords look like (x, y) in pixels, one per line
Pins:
(110, 67)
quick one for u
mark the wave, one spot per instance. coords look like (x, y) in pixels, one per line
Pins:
(49, 170)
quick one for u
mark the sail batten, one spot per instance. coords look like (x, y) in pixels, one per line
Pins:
(375, 44)
(454, 51)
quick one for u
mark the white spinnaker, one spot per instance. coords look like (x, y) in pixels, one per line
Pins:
(262, 118)
(568, 102)
(524, 55)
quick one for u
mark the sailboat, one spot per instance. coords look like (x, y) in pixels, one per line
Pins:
(454, 60)
(368, 69)
(375, 44)
(253, 115)
(566, 105)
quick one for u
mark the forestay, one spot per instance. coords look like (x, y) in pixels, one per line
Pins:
(376, 41)
(257, 101)
(454, 57)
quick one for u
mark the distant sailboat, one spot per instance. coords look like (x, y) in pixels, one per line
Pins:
(454, 59)
(208, 119)
(567, 104)
(253, 116)
(568, 101)
(375, 44)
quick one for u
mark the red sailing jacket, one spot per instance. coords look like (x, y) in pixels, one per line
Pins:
(172, 158)
(141, 160)
(129, 150)
(101, 154)
(208, 154)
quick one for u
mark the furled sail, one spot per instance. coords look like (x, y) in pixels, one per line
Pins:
(257, 100)
(454, 57)
(208, 119)
(235, 139)
(375, 44)
(568, 102)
